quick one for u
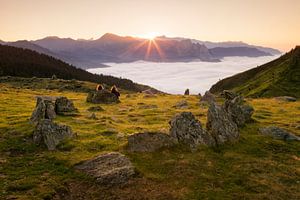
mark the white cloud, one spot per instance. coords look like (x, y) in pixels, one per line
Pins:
(174, 78)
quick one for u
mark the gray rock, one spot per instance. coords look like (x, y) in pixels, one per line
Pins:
(102, 96)
(278, 133)
(92, 116)
(208, 97)
(186, 129)
(220, 125)
(51, 134)
(181, 104)
(44, 109)
(64, 106)
(187, 92)
(149, 142)
(286, 98)
(238, 110)
(95, 108)
(108, 169)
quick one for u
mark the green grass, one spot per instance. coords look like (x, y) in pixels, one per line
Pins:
(256, 167)
(280, 77)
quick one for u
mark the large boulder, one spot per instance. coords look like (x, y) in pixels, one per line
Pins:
(278, 133)
(108, 169)
(51, 134)
(220, 125)
(186, 129)
(64, 106)
(149, 142)
(102, 96)
(44, 109)
(208, 97)
(238, 110)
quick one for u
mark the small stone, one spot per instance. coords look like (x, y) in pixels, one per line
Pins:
(278, 133)
(181, 104)
(286, 98)
(187, 92)
(108, 169)
(149, 142)
(95, 108)
(92, 116)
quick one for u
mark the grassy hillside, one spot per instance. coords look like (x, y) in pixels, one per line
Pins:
(277, 78)
(257, 167)
(27, 63)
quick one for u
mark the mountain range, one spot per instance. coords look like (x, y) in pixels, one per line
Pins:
(113, 48)
(279, 77)
(27, 63)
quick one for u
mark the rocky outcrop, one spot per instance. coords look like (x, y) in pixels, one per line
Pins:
(186, 129)
(102, 96)
(220, 125)
(64, 106)
(108, 169)
(48, 107)
(208, 97)
(278, 133)
(238, 110)
(44, 109)
(51, 134)
(149, 142)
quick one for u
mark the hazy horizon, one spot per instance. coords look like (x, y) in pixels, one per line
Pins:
(271, 23)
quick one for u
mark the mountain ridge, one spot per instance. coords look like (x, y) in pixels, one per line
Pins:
(114, 48)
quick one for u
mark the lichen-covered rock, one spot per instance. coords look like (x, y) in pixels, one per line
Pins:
(149, 142)
(181, 105)
(64, 106)
(186, 129)
(108, 169)
(278, 133)
(51, 134)
(220, 125)
(102, 96)
(238, 110)
(44, 109)
(208, 97)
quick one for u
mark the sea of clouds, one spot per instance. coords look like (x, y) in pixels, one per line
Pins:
(174, 78)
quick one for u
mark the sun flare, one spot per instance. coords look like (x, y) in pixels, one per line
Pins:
(150, 36)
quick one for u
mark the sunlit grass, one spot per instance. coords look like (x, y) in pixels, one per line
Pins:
(257, 167)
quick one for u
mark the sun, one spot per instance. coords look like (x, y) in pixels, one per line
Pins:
(151, 35)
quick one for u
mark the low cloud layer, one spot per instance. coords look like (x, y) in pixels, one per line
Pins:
(174, 78)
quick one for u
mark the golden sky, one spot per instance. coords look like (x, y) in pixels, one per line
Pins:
(274, 23)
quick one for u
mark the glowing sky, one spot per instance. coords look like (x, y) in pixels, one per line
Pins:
(274, 23)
